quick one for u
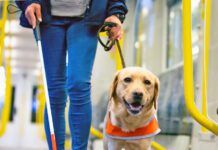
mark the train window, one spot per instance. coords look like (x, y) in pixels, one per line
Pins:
(174, 50)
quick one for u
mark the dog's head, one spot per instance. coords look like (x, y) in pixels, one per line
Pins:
(136, 89)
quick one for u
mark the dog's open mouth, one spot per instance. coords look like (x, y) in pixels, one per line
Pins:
(134, 107)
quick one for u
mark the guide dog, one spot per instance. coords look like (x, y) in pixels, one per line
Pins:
(130, 121)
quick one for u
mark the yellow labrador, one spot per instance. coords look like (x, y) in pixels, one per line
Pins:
(130, 122)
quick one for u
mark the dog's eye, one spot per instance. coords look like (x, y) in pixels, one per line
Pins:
(147, 82)
(127, 80)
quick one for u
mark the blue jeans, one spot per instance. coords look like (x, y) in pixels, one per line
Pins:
(73, 78)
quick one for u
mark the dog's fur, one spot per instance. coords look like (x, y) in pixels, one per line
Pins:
(142, 81)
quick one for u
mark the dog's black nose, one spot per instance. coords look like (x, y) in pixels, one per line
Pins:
(137, 95)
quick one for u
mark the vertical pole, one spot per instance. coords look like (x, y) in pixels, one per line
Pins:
(206, 58)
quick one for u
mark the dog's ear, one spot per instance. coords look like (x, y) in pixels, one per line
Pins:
(114, 86)
(156, 92)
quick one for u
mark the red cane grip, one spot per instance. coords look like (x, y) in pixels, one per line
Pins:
(53, 141)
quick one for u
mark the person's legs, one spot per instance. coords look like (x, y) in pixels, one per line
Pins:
(54, 52)
(81, 43)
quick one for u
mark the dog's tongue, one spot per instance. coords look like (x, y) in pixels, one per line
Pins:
(135, 106)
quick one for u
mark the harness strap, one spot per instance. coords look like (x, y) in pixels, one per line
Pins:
(149, 130)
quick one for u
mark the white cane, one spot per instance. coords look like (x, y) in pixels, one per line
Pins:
(38, 39)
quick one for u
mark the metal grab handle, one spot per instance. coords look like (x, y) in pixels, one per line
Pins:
(188, 72)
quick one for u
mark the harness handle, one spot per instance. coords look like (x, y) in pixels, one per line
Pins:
(110, 43)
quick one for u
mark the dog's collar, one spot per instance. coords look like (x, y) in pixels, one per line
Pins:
(149, 130)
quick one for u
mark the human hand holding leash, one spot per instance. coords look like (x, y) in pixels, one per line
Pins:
(110, 42)
(115, 32)
(33, 13)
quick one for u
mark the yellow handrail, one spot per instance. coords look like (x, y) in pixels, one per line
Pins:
(96, 133)
(188, 72)
(117, 59)
(2, 29)
(41, 104)
(40, 110)
(207, 16)
(7, 102)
